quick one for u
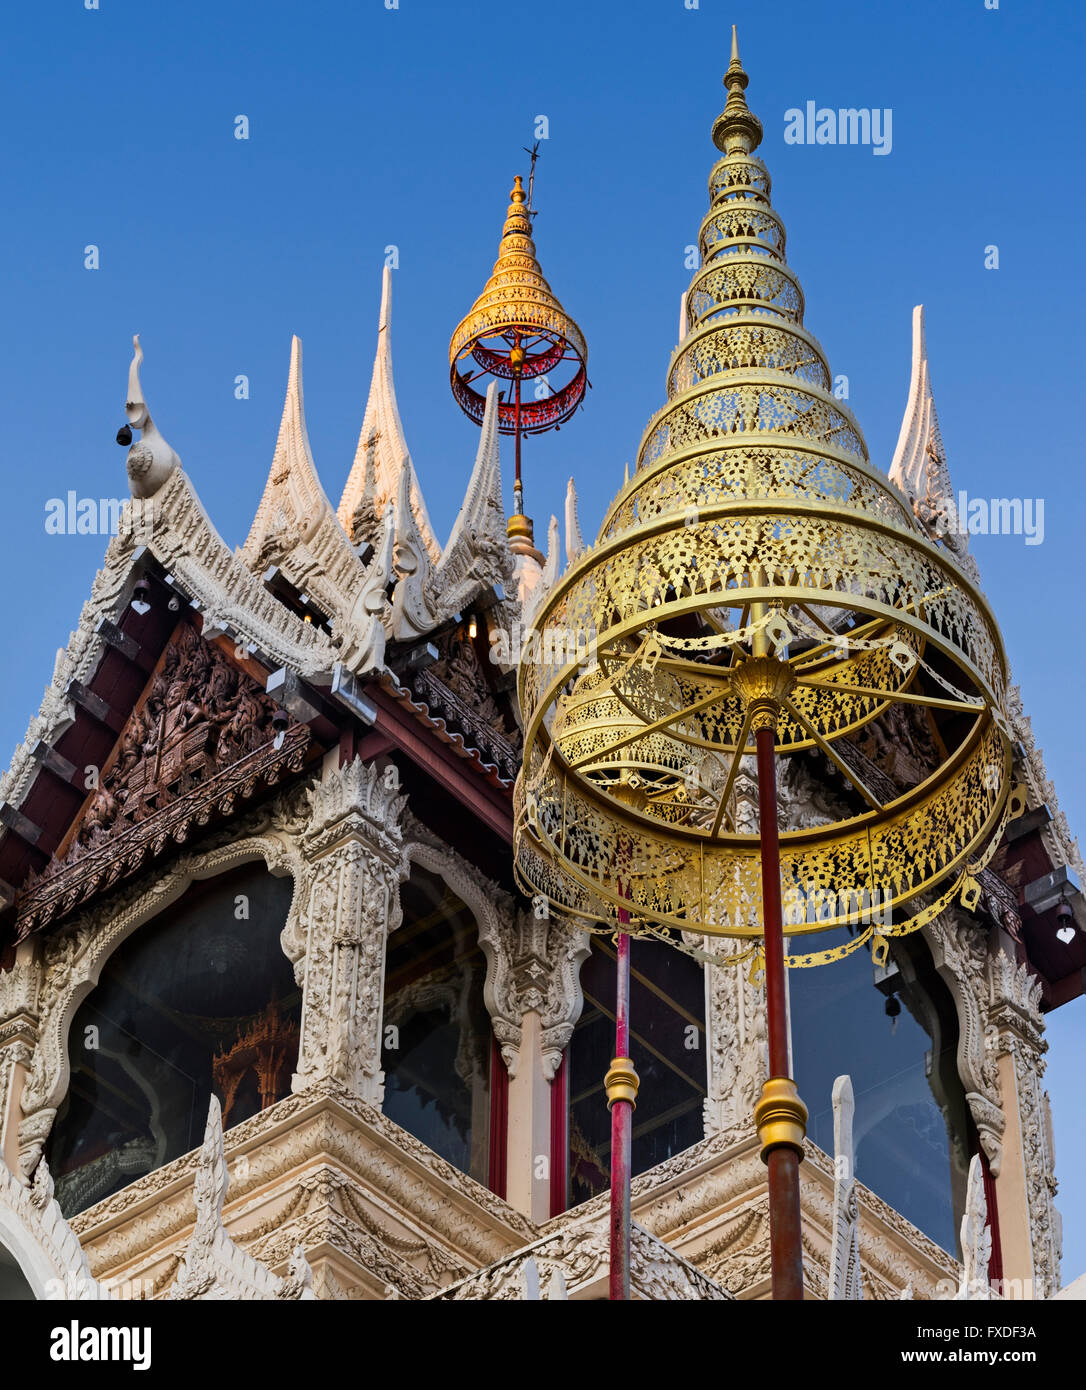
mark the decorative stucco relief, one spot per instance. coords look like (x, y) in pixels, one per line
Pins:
(1016, 1028)
(324, 1170)
(72, 961)
(737, 1049)
(45, 1247)
(213, 1266)
(353, 846)
(576, 1258)
(959, 948)
(533, 963)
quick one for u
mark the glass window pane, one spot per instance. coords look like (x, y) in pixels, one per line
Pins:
(911, 1127)
(200, 999)
(436, 1054)
(667, 1027)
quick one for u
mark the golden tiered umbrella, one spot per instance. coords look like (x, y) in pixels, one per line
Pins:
(757, 588)
(518, 331)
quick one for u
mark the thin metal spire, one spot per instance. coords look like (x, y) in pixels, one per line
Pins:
(736, 128)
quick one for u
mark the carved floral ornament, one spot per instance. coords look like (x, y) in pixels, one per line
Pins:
(532, 963)
(575, 1259)
(55, 1265)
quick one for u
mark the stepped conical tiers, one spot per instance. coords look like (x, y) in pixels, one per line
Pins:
(518, 330)
(754, 525)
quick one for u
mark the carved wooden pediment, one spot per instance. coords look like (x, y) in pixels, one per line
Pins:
(198, 744)
(456, 690)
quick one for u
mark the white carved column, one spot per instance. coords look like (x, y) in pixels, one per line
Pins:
(959, 949)
(528, 1143)
(534, 997)
(354, 848)
(734, 1007)
(845, 1275)
(20, 990)
(1029, 1224)
(735, 1028)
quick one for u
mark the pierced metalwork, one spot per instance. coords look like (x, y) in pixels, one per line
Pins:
(755, 522)
(517, 330)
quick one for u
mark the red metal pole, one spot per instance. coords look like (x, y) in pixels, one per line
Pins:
(782, 1161)
(499, 1120)
(516, 428)
(621, 1098)
(560, 1137)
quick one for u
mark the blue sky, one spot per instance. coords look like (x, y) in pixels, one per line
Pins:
(371, 127)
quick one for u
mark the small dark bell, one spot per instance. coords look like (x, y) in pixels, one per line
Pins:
(279, 723)
(893, 1006)
(141, 597)
(124, 436)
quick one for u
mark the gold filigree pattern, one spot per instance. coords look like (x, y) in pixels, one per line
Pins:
(754, 524)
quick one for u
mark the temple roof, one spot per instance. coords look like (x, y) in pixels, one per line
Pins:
(352, 597)
(298, 608)
(376, 559)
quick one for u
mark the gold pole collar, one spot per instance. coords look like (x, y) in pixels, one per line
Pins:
(781, 1116)
(762, 683)
(621, 1082)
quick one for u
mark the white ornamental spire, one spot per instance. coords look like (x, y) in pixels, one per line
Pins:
(845, 1278)
(294, 501)
(477, 556)
(574, 539)
(382, 449)
(150, 460)
(535, 581)
(415, 606)
(976, 1237)
(919, 466)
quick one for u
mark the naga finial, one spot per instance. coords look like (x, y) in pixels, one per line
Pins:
(150, 460)
(135, 406)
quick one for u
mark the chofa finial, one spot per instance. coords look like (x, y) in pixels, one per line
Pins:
(150, 460)
(135, 400)
(736, 129)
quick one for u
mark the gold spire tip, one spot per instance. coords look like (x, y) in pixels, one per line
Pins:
(736, 129)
